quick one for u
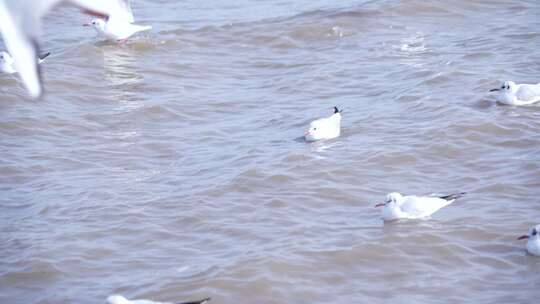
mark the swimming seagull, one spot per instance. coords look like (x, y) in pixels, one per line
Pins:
(533, 243)
(118, 299)
(325, 128)
(20, 24)
(7, 63)
(118, 27)
(397, 206)
(514, 94)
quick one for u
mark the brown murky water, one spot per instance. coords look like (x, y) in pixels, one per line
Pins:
(171, 168)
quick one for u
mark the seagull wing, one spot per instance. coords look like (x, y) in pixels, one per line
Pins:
(107, 8)
(203, 301)
(528, 92)
(20, 22)
(422, 206)
(43, 56)
(127, 4)
(412, 206)
(146, 302)
(125, 13)
(331, 122)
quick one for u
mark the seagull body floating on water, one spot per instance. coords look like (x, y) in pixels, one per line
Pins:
(118, 27)
(533, 240)
(7, 64)
(118, 299)
(325, 128)
(20, 24)
(397, 206)
(514, 94)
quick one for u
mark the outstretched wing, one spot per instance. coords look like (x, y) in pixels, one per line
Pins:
(125, 13)
(129, 12)
(18, 25)
(20, 22)
(104, 7)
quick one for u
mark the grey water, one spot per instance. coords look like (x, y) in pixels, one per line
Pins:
(172, 167)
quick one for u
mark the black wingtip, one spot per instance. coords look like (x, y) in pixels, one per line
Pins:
(41, 57)
(203, 301)
(38, 69)
(453, 196)
(336, 110)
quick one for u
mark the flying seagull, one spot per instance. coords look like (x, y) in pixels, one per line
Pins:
(20, 25)
(118, 27)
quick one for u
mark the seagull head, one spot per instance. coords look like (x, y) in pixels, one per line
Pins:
(534, 233)
(391, 200)
(506, 86)
(117, 299)
(315, 131)
(98, 24)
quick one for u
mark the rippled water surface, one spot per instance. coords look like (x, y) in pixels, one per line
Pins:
(172, 167)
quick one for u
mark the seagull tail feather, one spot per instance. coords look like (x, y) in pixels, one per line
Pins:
(453, 196)
(203, 301)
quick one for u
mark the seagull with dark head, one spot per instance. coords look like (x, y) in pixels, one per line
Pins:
(533, 240)
(118, 27)
(397, 206)
(325, 128)
(513, 94)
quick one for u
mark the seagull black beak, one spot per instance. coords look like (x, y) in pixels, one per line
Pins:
(380, 205)
(494, 90)
(523, 237)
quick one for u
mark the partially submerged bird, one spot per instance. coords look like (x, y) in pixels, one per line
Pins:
(7, 64)
(118, 27)
(20, 23)
(533, 240)
(397, 206)
(514, 94)
(325, 128)
(118, 299)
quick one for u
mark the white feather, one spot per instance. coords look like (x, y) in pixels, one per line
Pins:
(398, 206)
(20, 24)
(514, 94)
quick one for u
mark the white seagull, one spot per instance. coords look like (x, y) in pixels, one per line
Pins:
(325, 128)
(397, 206)
(118, 27)
(7, 64)
(20, 24)
(118, 299)
(514, 94)
(533, 242)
